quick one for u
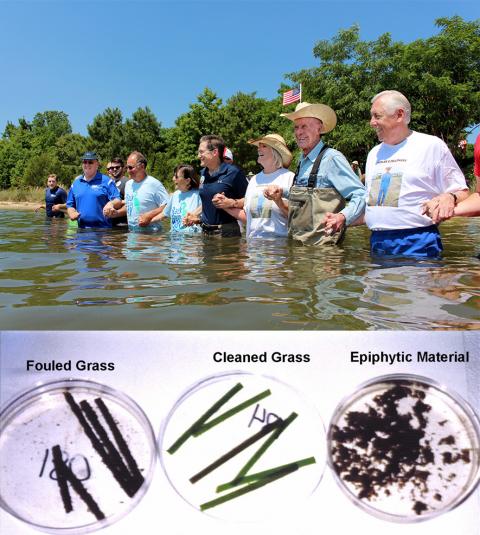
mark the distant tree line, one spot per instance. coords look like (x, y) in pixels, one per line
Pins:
(440, 75)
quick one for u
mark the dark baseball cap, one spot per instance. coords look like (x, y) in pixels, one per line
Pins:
(90, 155)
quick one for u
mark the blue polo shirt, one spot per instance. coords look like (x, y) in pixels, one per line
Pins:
(54, 196)
(227, 179)
(89, 197)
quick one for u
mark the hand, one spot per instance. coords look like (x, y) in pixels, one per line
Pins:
(190, 219)
(439, 208)
(333, 222)
(220, 201)
(144, 220)
(73, 214)
(56, 208)
(108, 209)
(273, 192)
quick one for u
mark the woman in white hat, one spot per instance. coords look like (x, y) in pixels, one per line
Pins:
(265, 211)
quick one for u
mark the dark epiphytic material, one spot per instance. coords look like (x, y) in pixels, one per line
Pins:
(404, 448)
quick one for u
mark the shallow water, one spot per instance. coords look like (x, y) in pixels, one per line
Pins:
(55, 276)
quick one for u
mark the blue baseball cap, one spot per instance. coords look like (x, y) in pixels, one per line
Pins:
(90, 155)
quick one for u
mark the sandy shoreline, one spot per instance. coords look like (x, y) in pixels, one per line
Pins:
(10, 205)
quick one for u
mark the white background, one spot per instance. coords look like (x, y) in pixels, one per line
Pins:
(155, 368)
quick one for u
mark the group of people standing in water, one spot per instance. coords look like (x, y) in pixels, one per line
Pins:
(412, 183)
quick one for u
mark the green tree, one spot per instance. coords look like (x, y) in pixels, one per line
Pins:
(15, 149)
(47, 127)
(143, 132)
(107, 134)
(246, 117)
(439, 75)
(446, 97)
(203, 118)
(37, 169)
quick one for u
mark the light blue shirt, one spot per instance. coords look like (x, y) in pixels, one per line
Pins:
(180, 203)
(141, 197)
(335, 171)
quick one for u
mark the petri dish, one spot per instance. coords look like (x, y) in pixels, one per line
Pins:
(404, 448)
(75, 456)
(242, 447)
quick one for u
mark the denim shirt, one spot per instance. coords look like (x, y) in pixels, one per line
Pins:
(335, 171)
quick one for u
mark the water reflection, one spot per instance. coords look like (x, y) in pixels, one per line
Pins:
(52, 270)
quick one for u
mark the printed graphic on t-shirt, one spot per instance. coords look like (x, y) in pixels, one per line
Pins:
(177, 214)
(133, 207)
(260, 207)
(385, 188)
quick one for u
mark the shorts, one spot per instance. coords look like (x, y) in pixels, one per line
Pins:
(423, 242)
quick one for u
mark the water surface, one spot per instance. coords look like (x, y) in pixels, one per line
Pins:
(55, 276)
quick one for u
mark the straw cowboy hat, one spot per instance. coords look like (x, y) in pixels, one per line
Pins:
(276, 142)
(318, 111)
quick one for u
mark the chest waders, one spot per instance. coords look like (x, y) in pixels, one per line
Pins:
(307, 207)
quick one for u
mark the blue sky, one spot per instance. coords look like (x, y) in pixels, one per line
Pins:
(82, 57)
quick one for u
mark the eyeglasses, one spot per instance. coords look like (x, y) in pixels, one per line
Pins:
(114, 168)
(130, 167)
(202, 152)
(89, 162)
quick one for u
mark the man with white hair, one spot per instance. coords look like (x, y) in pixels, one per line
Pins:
(423, 177)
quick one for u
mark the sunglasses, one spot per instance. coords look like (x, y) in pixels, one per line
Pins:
(89, 162)
(114, 168)
(130, 167)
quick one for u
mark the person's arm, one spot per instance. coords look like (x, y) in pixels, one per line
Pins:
(237, 213)
(346, 182)
(114, 213)
(359, 221)
(333, 222)
(112, 207)
(274, 193)
(72, 212)
(193, 218)
(114, 199)
(470, 207)
(234, 207)
(450, 181)
(146, 218)
(166, 211)
(41, 207)
(59, 208)
(219, 200)
(158, 217)
(442, 206)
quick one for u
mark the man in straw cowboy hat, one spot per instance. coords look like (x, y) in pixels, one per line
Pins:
(323, 182)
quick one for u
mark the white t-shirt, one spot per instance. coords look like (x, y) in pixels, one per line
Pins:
(264, 218)
(399, 178)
